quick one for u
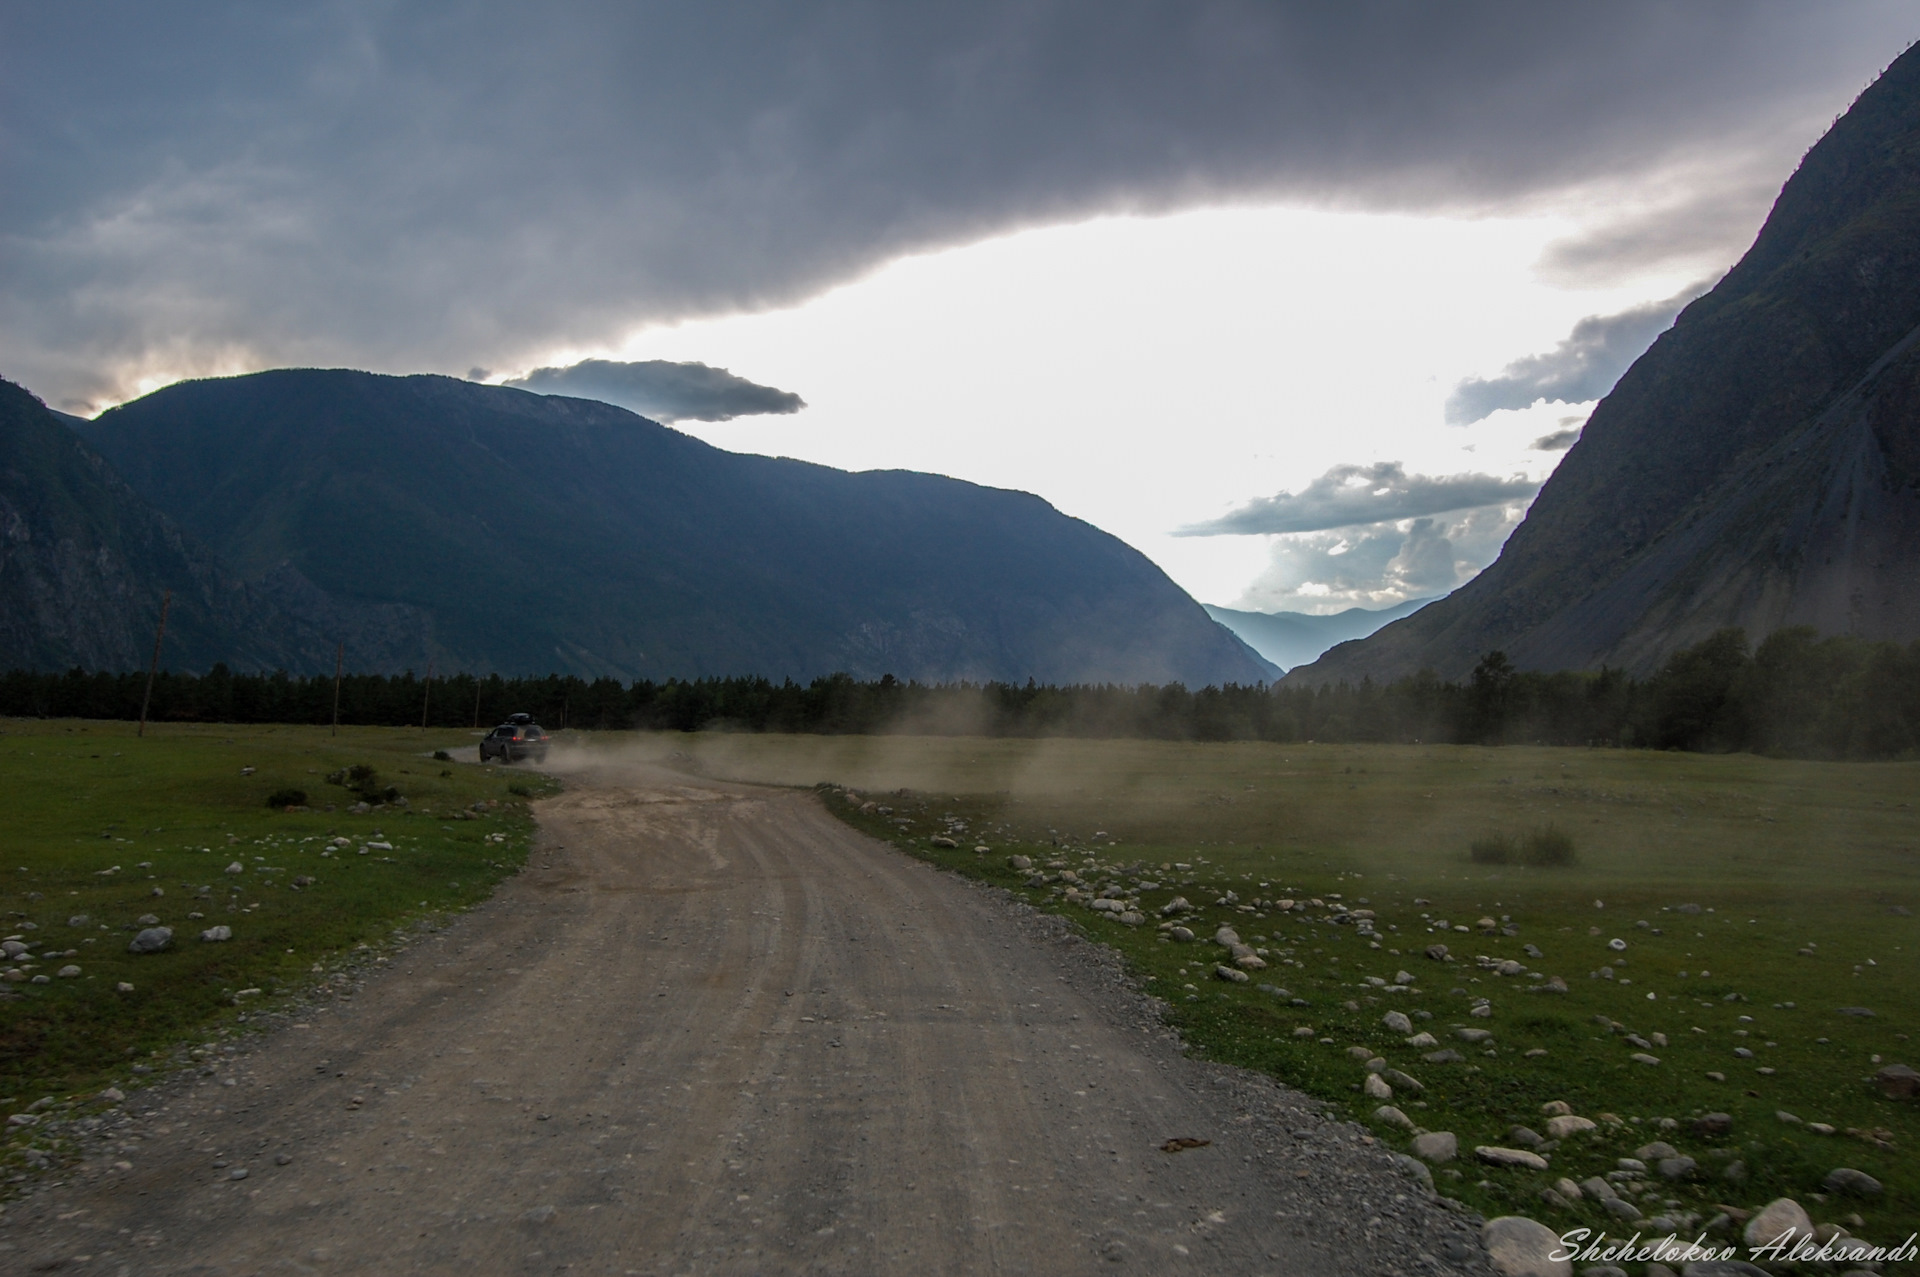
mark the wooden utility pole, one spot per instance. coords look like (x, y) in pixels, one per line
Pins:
(339, 663)
(426, 697)
(153, 669)
(477, 685)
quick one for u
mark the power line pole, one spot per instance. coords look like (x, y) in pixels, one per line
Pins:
(426, 697)
(477, 684)
(165, 600)
(339, 663)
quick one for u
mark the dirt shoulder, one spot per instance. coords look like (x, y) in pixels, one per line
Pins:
(710, 1029)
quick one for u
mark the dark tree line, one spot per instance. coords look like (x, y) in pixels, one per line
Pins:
(1797, 694)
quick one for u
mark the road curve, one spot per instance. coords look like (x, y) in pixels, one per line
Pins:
(712, 1030)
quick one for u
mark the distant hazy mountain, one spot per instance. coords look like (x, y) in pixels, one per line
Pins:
(1295, 638)
(1759, 466)
(85, 561)
(538, 533)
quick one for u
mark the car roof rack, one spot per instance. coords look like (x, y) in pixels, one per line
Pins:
(519, 719)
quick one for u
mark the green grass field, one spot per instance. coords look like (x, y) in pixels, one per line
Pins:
(102, 829)
(1806, 877)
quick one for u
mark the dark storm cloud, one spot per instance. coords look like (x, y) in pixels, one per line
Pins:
(201, 187)
(1582, 367)
(1558, 441)
(663, 391)
(1354, 496)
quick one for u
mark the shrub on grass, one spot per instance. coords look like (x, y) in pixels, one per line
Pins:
(1492, 849)
(442, 756)
(287, 798)
(1547, 847)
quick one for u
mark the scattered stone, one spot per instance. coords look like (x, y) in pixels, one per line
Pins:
(113, 1095)
(1403, 977)
(1019, 863)
(1360, 1053)
(1712, 1124)
(1423, 1039)
(1438, 952)
(1525, 1137)
(1181, 934)
(147, 920)
(78, 920)
(1735, 1172)
(152, 940)
(1568, 1189)
(1232, 974)
(1521, 1247)
(282, 1159)
(1556, 1108)
(1473, 1035)
(1655, 1151)
(1898, 1082)
(1397, 1022)
(1176, 906)
(1415, 1167)
(1641, 1057)
(1620, 1207)
(1375, 1089)
(1376, 1063)
(236, 868)
(215, 934)
(1566, 1124)
(1780, 1220)
(123, 987)
(1394, 1117)
(941, 841)
(1494, 1155)
(1678, 1167)
(1448, 1056)
(1401, 1081)
(1861, 1013)
(1598, 1189)
(68, 972)
(238, 1172)
(1436, 1146)
(1845, 1179)
(1482, 1012)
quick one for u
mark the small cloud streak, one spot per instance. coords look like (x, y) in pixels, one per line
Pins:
(1356, 496)
(1380, 566)
(1580, 369)
(661, 390)
(1558, 441)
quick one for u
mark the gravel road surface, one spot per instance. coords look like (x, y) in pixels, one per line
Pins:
(712, 1030)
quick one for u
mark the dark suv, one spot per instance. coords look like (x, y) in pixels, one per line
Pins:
(514, 740)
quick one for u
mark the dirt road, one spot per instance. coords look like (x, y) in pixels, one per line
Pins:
(711, 1030)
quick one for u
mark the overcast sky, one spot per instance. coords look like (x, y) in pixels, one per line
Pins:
(1212, 275)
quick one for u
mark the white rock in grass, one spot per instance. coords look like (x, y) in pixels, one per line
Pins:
(1436, 1146)
(1393, 1117)
(1521, 1247)
(214, 934)
(1375, 1089)
(1423, 1040)
(1781, 1220)
(1397, 1022)
(1559, 1128)
(236, 868)
(1494, 1155)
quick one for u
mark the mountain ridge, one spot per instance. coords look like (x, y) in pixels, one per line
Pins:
(544, 533)
(1650, 533)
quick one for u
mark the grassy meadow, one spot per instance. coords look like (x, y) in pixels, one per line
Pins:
(1805, 877)
(103, 829)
